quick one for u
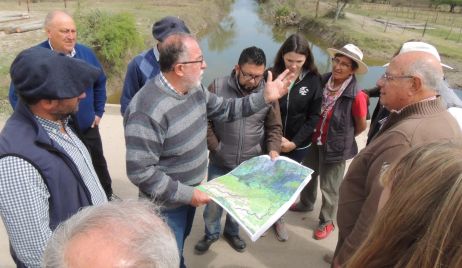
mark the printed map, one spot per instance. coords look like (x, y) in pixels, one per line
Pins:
(259, 191)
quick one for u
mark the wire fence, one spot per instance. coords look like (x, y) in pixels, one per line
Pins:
(426, 20)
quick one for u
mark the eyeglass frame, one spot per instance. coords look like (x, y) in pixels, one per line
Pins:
(388, 77)
(343, 65)
(246, 76)
(201, 61)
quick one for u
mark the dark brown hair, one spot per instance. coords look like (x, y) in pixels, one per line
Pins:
(294, 43)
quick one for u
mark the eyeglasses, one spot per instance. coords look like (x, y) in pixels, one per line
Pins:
(343, 65)
(201, 61)
(249, 77)
(388, 77)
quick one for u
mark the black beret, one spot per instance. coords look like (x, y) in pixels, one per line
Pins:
(41, 73)
(167, 26)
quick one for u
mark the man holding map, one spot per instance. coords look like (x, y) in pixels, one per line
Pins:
(165, 130)
(231, 143)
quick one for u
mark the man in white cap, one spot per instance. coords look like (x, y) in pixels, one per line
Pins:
(453, 103)
(418, 116)
(146, 65)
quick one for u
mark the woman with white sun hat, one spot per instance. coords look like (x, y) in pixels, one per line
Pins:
(343, 116)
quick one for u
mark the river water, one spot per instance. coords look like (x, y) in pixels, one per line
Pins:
(243, 28)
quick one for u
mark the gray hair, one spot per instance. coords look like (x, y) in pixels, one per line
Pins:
(149, 243)
(432, 77)
(51, 15)
(172, 50)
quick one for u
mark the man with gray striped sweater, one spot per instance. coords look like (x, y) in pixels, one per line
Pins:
(166, 126)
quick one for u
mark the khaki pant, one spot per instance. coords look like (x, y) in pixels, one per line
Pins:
(330, 176)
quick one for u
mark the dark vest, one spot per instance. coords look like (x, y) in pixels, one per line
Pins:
(340, 143)
(25, 138)
(242, 139)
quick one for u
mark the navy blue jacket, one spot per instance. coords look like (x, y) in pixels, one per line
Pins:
(94, 102)
(23, 137)
(139, 70)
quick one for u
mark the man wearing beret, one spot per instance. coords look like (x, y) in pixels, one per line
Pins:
(46, 173)
(62, 38)
(145, 65)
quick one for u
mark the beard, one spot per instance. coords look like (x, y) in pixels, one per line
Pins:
(64, 111)
(192, 82)
(249, 88)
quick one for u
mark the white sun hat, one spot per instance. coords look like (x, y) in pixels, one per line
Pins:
(354, 53)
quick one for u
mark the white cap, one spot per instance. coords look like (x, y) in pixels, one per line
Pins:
(421, 46)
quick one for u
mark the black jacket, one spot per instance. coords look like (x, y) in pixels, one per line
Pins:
(300, 110)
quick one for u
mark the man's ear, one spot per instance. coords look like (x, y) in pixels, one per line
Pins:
(48, 32)
(237, 68)
(179, 69)
(46, 105)
(416, 84)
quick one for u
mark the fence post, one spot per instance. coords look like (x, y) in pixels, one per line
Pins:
(425, 28)
(317, 8)
(28, 9)
(386, 26)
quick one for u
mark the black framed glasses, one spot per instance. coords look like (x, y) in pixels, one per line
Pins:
(249, 77)
(201, 61)
(389, 77)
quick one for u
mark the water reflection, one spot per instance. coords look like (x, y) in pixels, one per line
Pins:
(243, 28)
(222, 35)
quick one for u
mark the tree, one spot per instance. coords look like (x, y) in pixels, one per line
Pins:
(341, 4)
(452, 3)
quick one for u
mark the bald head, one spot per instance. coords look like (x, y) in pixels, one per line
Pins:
(423, 65)
(411, 77)
(61, 31)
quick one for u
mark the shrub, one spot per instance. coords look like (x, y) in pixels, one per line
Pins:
(282, 11)
(112, 36)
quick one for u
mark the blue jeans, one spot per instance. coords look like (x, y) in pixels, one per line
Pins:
(213, 212)
(180, 220)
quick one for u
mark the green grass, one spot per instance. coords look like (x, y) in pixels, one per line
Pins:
(198, 15)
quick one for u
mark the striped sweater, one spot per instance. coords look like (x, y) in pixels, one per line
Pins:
(165, 137)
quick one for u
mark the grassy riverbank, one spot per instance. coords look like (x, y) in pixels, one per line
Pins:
(378, 41)
(198, 15)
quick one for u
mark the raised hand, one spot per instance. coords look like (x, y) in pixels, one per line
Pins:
(279, 87)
